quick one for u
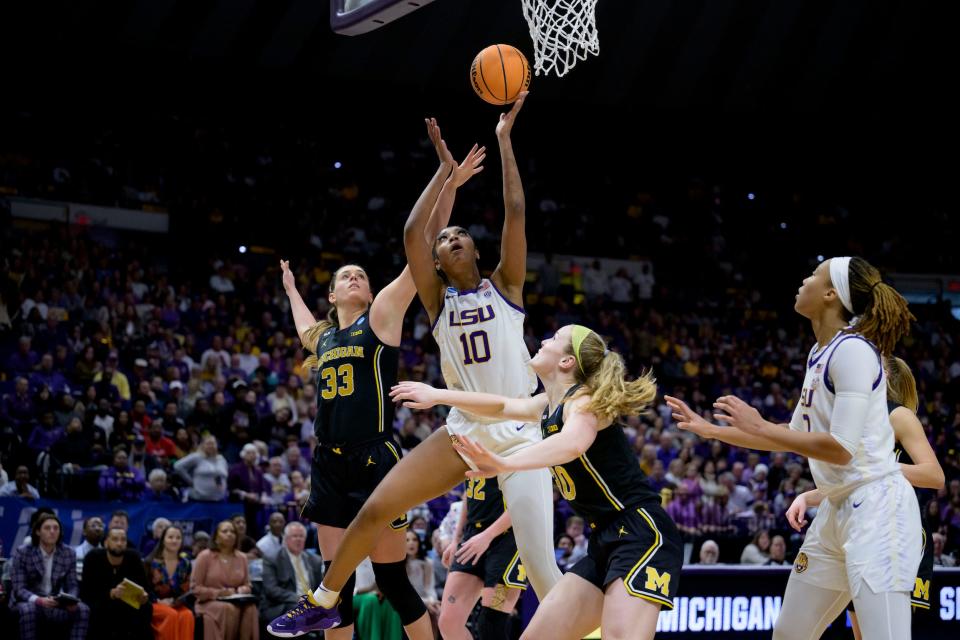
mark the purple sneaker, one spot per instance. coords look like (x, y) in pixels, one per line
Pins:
(307, 616)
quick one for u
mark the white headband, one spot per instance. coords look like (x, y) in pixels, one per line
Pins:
(840, 276)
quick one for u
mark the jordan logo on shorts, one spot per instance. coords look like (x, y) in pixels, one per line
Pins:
(370, 461)
(622, 532)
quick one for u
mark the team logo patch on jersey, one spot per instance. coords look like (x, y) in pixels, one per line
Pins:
(801, 563)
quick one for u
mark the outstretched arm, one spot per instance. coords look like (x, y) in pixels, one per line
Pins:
(511, 273)
(579, 432)
(688, 420)
(302, 317)
(418, 395)
(419, 252)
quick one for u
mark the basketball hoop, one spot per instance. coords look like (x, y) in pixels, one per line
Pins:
(563, 31)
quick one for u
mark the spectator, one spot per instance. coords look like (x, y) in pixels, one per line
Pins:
(221, 571)
(290, 574)
(246, 545)
(201, 542)
(277, 482)
(420, 574)
(206, 472)
(271, 543)
(40, 572)
(941, 559)
(715, 518)
(683, 510)
(158, 489)
(157, 443)
(280, 399)
(563, 551)
(778, 551)
(293, 461)
(112, 376)
(92, 539)
(18, 407)
(24, 359)
(73, 451)
(575, 526)
(709, 552)
(121, 481)
(149, 543)
(739, 497)
(758, 551)
(47, 376)
(103, 571)
(20, 487)
(168, 574)
(645, 281)
(246, 484)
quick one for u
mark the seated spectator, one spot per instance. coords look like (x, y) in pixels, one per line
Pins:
(277, 482)
(563, 551)
(575, 529)
(168, 574)
(292, 460)
(46, 376)
(941, 559)
(92, 539)
(246, 544)
(103, 571)
(778, 551)
(271, 543)
(45, 435)
(758, 551)
(683, 510)
(300, 490)
(206, 471)
(73, 451)
(149, 543)
(289, 575)
(740, 498)
(201, 542)
(121, 481)
(709, 552)
(40, 572)
(715, 518)
(221, 571)
(420, 574)
(158, 489)
(20, 487)
(18, 407)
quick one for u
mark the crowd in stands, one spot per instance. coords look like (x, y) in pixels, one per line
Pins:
(132, 372)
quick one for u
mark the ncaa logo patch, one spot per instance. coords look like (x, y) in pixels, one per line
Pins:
(360, 321)
(801, 563)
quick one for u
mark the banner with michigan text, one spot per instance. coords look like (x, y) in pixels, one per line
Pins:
(190, 516)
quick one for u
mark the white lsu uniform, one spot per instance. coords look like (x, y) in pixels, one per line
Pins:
(868, 527)
(480, 335)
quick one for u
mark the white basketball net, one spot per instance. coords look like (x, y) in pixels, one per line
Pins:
(563, 31)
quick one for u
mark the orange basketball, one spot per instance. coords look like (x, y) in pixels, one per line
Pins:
(499, 73)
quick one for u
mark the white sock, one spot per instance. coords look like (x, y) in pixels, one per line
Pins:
(326, 598)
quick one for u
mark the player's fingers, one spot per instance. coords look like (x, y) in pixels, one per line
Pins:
(722, 417)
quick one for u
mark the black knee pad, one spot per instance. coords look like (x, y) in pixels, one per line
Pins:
(345, 608)
(393, 583)
(493, 624)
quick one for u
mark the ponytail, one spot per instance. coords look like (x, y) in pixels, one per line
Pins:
(884, 316)
(603, 375)
(901, 385)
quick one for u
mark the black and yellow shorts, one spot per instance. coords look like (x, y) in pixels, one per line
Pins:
(499, 564)
(643, 547)
(342, 478)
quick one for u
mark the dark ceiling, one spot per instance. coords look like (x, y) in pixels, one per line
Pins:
(831, 76)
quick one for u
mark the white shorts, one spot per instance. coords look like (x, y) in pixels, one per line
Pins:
(873, 535)
(502, 438)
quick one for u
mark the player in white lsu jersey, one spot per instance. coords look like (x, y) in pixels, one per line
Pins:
(865, 542)
(479, 326)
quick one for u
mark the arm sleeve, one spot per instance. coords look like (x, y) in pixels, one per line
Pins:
(854, 366)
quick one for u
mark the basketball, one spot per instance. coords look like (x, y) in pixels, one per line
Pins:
(499, 73)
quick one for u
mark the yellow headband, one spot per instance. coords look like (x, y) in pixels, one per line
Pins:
(579, 334)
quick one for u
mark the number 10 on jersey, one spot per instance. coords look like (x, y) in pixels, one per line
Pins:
(476, 347)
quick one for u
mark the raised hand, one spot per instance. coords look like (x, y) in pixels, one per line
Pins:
(739, 414)
(505, 126)
(415, 395)
(471, 166)
(439, 144)
(289, 281)
(686, 418)
(488, 464)
(797, 513)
